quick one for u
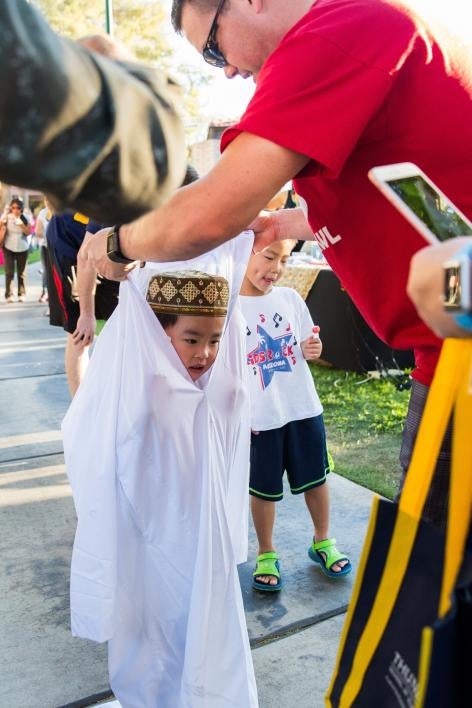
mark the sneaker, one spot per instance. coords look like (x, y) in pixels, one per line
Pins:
(9, 298)
(43, 298)
(20, 299)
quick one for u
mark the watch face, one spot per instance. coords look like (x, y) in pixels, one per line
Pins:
(113, 247)
(452, 286)
(112, 242)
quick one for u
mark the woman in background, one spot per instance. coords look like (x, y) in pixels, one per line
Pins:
(16, 242)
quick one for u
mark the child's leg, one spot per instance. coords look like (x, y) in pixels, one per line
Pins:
(76, 362)
(317, 501)
(266, 488)
(263, 516)
(307, 465)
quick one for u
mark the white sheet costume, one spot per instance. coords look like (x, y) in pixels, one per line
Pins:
(158, 466)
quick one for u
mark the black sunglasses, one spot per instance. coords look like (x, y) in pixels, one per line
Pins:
(211, 51)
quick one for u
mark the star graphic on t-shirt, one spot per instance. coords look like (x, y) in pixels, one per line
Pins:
(271, 355)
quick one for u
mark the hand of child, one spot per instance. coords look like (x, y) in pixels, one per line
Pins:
(74, 292)
(312, 346)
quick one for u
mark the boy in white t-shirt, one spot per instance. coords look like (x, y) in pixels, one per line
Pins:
(286, 414)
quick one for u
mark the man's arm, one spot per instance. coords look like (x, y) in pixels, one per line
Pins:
(208, 212)
(94, 134)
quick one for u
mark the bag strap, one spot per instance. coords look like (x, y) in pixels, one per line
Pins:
(452, 385)
(459, 520)
(450, 371)
(460, 492)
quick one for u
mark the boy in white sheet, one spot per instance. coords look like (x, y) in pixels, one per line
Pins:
(195, 328)
(157, 452)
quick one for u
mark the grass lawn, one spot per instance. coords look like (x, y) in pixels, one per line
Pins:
(364, 421)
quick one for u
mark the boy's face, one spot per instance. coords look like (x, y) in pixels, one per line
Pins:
(196, 340)
(266, 268)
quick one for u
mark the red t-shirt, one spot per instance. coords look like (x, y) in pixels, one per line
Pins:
(359, 83)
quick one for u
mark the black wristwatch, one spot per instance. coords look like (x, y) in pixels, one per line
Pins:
(113, 247)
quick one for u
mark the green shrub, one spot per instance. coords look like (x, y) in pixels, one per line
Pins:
(364, 418)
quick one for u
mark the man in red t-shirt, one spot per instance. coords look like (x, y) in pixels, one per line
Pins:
(341, 86)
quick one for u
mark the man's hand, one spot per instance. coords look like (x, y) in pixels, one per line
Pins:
(85, 331)
(425, 286)
(279, 225)
(264, 231)
(95, 252)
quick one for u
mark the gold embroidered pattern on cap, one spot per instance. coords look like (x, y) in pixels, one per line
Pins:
(168, 290)
(211, 292)
(188, 293)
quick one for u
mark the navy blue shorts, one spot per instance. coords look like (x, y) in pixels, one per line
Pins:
(299, 448)
(64, 310)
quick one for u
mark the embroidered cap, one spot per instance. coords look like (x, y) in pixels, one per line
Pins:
(188, 292)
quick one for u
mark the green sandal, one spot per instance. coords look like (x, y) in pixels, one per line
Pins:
(267, 564)
(328, 556)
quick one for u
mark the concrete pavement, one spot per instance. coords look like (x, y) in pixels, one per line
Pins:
(294, 634)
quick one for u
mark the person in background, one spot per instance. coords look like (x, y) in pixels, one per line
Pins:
(288, 431)
(75, 299)
(42, 223)
(16, 242)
